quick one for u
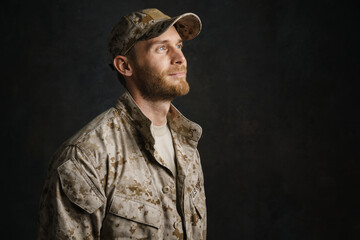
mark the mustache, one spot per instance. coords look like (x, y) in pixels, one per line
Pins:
(176, 70)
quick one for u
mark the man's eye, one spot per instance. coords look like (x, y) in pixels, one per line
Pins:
(162, 48)
(179, 46)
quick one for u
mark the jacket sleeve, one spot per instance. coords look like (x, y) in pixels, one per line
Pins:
(72, 205)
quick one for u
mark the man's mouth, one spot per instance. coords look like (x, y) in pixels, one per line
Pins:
(177, 74)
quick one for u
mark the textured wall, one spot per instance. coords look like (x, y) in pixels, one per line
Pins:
(272, 84)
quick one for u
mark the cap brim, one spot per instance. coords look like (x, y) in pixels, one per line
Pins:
(188, 26)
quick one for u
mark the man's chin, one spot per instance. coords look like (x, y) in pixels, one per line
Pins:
(179, 90)
(183, 89)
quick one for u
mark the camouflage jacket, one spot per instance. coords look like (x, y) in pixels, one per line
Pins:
(108, 181)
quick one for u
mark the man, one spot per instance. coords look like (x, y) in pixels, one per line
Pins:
(133, 172)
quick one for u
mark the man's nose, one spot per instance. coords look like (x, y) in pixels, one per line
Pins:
(178, 57)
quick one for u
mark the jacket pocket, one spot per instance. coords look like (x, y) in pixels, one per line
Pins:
(136, 211)
(78, 187)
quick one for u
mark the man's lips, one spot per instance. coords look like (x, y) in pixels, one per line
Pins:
(177, 74)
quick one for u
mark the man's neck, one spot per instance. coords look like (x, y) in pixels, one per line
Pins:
(156, 111)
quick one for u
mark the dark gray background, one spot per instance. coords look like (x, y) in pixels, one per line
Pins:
(272, 85)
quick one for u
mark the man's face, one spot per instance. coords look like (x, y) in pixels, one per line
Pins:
(159, 67)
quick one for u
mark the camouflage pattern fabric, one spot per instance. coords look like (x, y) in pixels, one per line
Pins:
(146, 24)
(108, 181)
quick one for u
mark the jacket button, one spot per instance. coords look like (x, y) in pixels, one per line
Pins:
(166, 189)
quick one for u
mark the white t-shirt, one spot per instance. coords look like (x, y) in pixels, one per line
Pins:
(164, 145)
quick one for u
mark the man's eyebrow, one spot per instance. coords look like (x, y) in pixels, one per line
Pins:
(163, 42)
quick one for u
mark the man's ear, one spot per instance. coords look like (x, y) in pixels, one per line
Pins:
(121, 63)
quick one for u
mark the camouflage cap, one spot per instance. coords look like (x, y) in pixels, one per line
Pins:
(149, 23)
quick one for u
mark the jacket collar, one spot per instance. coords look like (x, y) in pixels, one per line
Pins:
(177, 122)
